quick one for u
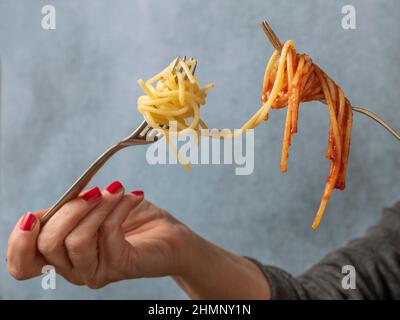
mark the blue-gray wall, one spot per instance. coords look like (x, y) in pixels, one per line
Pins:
(67, 94)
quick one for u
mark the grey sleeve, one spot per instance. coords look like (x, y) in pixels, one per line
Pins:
(375, 258)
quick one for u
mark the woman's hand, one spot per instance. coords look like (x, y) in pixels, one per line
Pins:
(106, 236)
(98, 238)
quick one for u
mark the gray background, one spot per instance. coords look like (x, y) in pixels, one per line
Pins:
(68, 93)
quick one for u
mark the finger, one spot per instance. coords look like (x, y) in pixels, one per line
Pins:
(112, 241)
(41, 213)
(81, 243)
(53, 234)
(115, 220)
(145, 211)
(23, 259)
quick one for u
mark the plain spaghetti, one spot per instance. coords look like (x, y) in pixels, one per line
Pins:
(174, 96)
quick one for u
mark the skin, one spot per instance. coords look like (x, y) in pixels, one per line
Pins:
(123, 236)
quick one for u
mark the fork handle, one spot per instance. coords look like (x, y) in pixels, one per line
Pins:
(82, 181)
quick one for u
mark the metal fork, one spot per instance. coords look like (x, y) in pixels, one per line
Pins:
(144, 134)
(278, 46)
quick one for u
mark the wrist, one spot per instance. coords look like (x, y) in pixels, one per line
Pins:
(199, 258)
(195, 253)
(210, 272)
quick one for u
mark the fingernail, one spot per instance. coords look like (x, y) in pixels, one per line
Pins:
(91, 195)
(28, 222)
(114, 187)
(138, 193)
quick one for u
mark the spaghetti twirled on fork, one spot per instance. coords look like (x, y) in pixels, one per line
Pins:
(289, 79)
(174, 96)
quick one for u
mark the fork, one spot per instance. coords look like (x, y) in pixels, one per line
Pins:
(142, 135)
(278, 46)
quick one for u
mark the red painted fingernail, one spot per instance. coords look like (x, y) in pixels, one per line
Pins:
(138, 193)
(114, 187)
(91, 195)
(28, 222)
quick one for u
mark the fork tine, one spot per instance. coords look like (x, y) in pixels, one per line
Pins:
(176, 63)
(271, 35)
(144, 131)
(151, 134)
(193, 68)
(184, 60)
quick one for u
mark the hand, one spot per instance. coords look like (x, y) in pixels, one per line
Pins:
(98, 238)
(106, 236)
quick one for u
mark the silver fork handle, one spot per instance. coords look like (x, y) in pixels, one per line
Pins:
(82, 181)
(377, 119)
(141, 136)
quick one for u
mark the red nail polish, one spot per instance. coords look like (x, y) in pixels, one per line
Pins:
(138, 193)
(28, 222)
(91, 195)
(114, 187)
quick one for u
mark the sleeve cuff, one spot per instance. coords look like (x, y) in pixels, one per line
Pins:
(282, 284)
